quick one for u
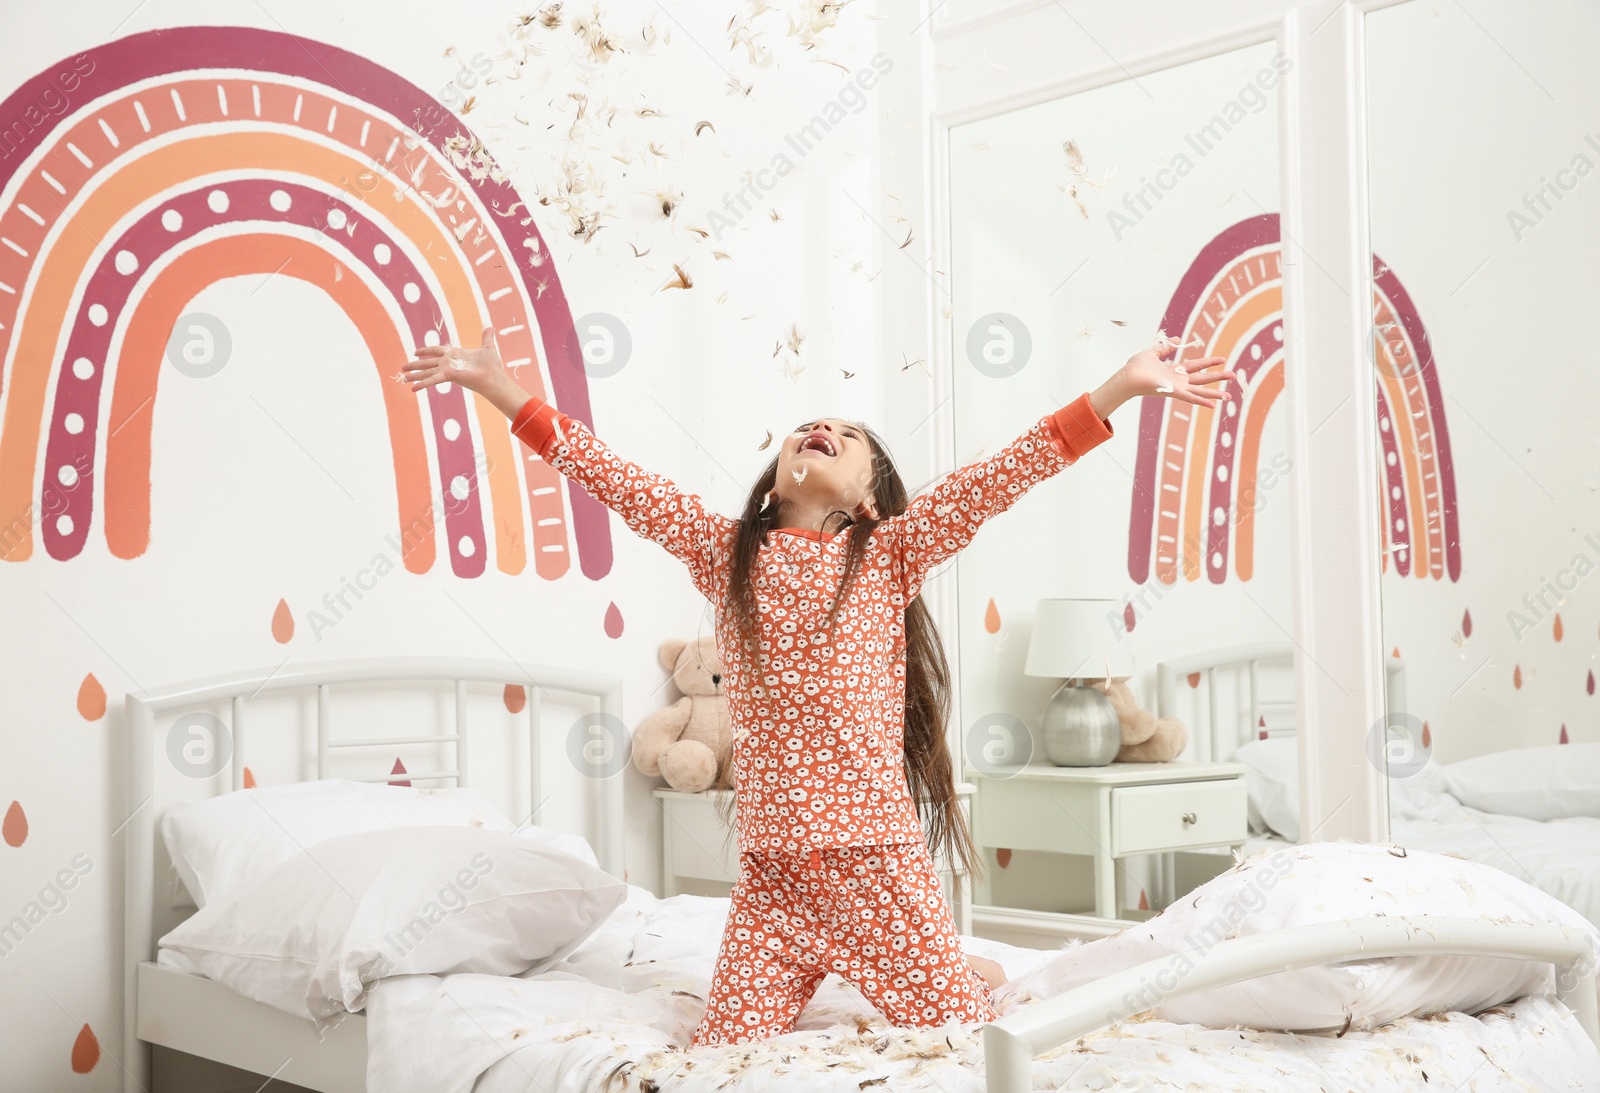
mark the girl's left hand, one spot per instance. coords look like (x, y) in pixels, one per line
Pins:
(1154, 372)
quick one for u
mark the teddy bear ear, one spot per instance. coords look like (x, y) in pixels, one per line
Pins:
(671, 649)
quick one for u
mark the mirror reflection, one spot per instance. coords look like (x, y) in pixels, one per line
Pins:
(1481, 139)
(1156, 569)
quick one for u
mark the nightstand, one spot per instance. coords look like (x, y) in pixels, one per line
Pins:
(1108, 813)
(693, 838)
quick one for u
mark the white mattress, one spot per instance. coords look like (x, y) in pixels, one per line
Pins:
(626, 1003)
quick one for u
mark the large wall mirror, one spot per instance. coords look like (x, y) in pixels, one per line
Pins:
(1483, 137)
(1079, 228)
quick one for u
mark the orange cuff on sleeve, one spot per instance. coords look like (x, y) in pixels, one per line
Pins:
(1079, 428)
(535, 423)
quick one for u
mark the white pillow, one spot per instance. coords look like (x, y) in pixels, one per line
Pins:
(1272, 784)
(1316, 883)
(1546, 783)
(311, 934)
(219, 842)
(576, 845)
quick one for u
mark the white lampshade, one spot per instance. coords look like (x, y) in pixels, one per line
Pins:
(1078, 639)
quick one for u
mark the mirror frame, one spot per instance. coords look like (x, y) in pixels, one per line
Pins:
(1339, 673)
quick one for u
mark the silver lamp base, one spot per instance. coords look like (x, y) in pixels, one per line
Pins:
(1081, 728)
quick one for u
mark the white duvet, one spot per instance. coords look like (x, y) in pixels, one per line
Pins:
(620, 1011)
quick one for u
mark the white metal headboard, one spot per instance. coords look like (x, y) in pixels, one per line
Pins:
(139, 883)
(1220, 737)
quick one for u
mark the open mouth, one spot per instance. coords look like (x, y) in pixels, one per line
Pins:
(817, 442)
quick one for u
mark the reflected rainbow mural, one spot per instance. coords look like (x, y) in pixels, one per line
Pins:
(1194, 490)
(141, 171)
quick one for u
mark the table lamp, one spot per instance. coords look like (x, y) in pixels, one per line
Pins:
(1071, 641)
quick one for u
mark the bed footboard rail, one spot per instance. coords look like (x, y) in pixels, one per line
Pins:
(1010, 1043)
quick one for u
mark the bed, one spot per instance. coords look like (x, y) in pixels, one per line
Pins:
(1243, 719)
(616, 1011)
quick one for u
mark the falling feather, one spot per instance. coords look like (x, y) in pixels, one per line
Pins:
(763, 445)
(682, 280)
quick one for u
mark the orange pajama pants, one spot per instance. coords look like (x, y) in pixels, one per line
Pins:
(875, 915)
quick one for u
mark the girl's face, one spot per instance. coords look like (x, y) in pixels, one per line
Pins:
(828, 462)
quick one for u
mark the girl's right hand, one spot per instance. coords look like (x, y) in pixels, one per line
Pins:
(475, 369)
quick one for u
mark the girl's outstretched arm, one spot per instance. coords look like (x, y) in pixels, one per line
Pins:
(941, 521)
(652, 505)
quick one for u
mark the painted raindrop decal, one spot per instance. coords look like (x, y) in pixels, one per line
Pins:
(399, 768)
(613, 623)
(516, 697)
(991, 618)
(1466, 624)
(15, 826)
(1129, 618)
(1563, 739)
(1427, 736)
(1396, 653)
(1144, 901)
(85, 1051)
(91, 698)
(1194, 679)
(1590, 684)
(1516, 677)
(1003, 856)
(249, 778)
(1556, 629)
(282, 623)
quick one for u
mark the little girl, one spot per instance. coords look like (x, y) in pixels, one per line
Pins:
(837, 688)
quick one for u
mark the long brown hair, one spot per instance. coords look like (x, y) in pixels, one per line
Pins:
(929, 775)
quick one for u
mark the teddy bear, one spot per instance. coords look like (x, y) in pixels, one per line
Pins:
(1145, 737)
(689, 743)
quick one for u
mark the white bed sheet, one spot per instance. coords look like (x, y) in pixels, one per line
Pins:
(626, 1003)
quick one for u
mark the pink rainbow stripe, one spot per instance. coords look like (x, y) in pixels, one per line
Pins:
(1394, 486)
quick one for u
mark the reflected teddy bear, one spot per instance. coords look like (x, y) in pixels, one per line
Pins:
(1145, 737)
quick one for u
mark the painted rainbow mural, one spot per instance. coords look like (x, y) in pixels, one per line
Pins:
(1195, 479)
(141, 171)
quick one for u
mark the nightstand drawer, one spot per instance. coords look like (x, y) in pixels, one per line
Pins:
(1146, 819)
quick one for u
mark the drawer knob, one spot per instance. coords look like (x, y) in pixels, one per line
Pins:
(1188, 818)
